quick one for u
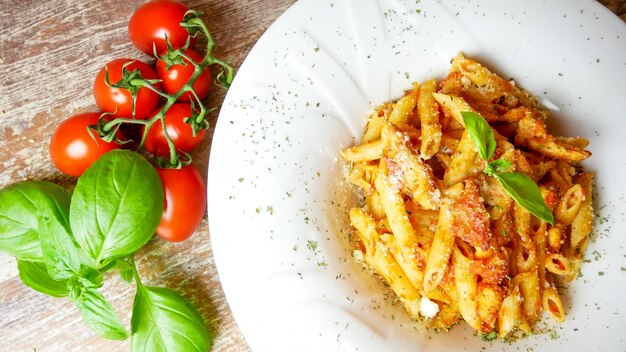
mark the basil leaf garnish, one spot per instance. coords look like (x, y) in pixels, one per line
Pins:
(481, 133)
(35, 275)
(164, 321)
(499, 165)
(525, 192)
(20, 206)
(63, 258)
(116, 206)
(99, 315)
(519, 186)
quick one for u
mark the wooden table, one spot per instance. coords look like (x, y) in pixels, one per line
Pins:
(50, 52)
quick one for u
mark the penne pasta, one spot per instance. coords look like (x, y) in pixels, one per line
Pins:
(429, 119)
(510, 315)
(569, 205)
(466, 289)
(464, 163)
(552, 304)
(409, 169)
(437, 222)
(555, 236)
(526, 258)
(404, 107)
(378, 257)
(582, 221)
(531, 295)
(557, 264)
(453, 106)
(539, 237)
(364, 152)
(489, 300)
(440, 250)
(376, 123)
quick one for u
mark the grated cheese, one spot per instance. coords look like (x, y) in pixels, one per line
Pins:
(428, 308)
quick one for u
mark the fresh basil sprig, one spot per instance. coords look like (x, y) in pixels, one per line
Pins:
(497, 166)
(165, 321)
(62, 256)
(481, 133)
(515, 183)
(64, 244)
(114, 210)
(99, 315)
(519, 186)
(35, 275)
(20, 205)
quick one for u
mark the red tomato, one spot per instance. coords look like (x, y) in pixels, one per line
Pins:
(153, 21)
(185, 203)
(176, 77)
(111, 99)
(180, 132)
(72, 149)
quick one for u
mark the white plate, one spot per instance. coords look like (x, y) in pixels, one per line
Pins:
(277, 203)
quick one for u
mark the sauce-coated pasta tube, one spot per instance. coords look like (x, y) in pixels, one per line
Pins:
(429, 118)
(441, 248)
(552, 304)
(582, 221)
(510, 315)
(466, 288)
(446, 230)
(379, 258)
(569, 205)
(531, 295)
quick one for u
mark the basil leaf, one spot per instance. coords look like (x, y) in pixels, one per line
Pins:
(519, 186)
(99, 315)
(35, 276)
(526, 193)
(116, 206)
(20, 205)
(481, 133)
(164, 321)
(62, 257)
(499, 165)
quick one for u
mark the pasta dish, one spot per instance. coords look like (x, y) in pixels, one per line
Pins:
(471, 209)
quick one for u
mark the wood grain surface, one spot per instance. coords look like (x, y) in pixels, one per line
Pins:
(50, 52)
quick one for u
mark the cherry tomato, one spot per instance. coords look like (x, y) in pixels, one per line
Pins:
(72, 149)
(180, 132)
(119, 100)
(176, 77)
(153, 21)
(185, 203)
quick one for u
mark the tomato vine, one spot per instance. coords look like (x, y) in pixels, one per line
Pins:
(132, 81)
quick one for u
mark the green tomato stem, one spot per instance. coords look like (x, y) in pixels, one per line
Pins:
(144, 83)
(121, 120)
(170, 99)
(229, 69)
(210, 42)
